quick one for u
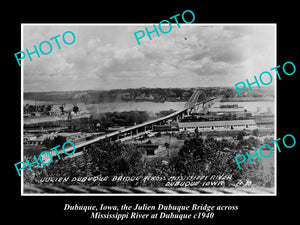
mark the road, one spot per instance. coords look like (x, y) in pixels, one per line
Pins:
(136, 127)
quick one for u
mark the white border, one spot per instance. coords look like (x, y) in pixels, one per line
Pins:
(146, 24)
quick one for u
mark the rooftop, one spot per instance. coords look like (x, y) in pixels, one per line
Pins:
(217, 123)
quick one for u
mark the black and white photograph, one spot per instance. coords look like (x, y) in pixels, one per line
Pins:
(129, 109)
(145, 113)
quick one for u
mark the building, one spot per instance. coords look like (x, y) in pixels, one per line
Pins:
(228, 111)
(165, 127)
(223, 125)
(31, 139)
(75, 137)
(115, 128)
(265, 121)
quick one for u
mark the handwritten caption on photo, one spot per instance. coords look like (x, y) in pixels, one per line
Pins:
(172, 181)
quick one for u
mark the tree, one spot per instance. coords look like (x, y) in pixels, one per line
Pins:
(199, 157)
(58, 140)
(228, 93)
(255, 132)
(115, 159)
(241, 135)
(75, 108)
(31, 108)
(104, 158)
(61, 108)
(190, 157)
(48, 143)
(49, 107)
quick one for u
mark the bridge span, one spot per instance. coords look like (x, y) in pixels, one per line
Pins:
(139, 129)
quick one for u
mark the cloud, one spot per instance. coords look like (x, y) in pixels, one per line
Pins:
(105, 57)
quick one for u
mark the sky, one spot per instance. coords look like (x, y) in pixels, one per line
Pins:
(108, 56)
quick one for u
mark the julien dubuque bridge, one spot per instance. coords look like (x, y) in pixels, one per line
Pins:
(146, 127)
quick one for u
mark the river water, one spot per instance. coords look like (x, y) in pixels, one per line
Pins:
(155, 107)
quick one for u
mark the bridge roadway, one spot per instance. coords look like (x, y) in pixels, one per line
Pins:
(133, 128)
(193, 99)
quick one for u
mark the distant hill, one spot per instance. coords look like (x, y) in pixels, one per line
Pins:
(142, 94)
